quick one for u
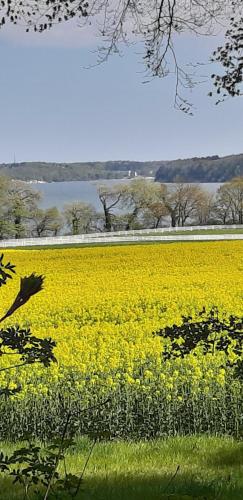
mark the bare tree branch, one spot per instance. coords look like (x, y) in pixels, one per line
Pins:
(155, 23)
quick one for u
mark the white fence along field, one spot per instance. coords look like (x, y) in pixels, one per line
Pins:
(131, 236)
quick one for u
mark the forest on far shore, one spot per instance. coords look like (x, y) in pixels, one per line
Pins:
(205, 169)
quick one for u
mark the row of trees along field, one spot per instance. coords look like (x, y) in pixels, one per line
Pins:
(136, 205)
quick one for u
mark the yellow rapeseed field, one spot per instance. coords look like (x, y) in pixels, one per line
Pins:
(102, 304)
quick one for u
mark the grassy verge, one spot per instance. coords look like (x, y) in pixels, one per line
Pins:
(198, 231)
(88, 245)
(123, 243)
(207, 468)
(107, 244)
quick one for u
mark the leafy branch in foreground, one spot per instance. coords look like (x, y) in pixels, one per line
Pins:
(210, 331)
(33, 466)
(31, 349)
(6, 271)
(230, 57)
(20, 341)
(29, 286)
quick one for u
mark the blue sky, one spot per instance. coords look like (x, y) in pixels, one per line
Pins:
(53, 109)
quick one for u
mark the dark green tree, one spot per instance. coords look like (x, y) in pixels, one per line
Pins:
(46, 222)
(22, 203)
(80, 217)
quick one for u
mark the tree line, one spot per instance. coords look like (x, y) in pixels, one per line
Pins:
(206, 169)
(197, 169)
(139, 204)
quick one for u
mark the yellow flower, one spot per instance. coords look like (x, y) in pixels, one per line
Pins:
(104, 312)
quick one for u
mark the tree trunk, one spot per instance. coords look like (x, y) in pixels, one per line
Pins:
(75, 226)
(108, 225)
(17, 222)
(173, 220)
(158, 222)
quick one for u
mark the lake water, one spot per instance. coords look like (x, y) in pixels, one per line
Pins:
(59, 193)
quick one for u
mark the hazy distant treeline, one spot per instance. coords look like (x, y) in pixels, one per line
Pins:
(61, 172)
(208, 169)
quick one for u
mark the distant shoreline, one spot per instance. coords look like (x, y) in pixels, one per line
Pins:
(98, 181)
(210, 169)
(35, 181)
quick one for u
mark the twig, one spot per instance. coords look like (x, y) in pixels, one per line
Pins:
(58, 456)
(84, 468)
(172, 479)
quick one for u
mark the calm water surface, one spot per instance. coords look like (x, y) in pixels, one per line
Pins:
(59, 193)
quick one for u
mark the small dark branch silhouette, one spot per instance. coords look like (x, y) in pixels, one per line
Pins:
(85, 467)
(156, 24)
(29, 286)
(17, 341)
(59, 456)
(35, 466)
(171, 479)
(6, 271)
(209, 331)
(230, 57)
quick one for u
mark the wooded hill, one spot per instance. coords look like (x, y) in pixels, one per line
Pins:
(206, 169)
(56, 172)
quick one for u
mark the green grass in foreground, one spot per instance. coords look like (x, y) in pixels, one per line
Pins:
(209, 468)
